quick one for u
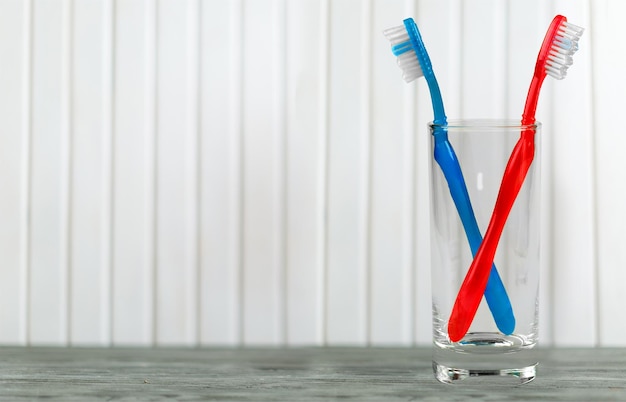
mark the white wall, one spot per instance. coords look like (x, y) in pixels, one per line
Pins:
(255, 171)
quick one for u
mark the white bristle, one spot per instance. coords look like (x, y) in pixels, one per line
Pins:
(564, 45)
(396, 35)
(407, 61)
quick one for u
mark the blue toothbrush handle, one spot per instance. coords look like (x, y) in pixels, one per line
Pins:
(495, 293)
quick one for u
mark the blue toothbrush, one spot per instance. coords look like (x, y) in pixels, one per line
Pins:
(407, 45)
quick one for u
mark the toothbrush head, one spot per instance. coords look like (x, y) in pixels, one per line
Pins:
(559, 45)
(405, 41)
(408, 46)
(555, 57)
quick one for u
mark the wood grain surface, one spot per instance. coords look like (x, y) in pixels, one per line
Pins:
(288, 374)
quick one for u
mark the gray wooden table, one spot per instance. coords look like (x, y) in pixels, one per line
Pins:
(296, 374)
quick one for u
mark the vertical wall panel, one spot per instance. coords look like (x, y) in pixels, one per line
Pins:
(14, 84)
(609, 90)
(89, 300)
(263, 232)
(528, 22)
(387, 307)
(436, 39)
(483, 82)
(442, 42)
(176, 175)
(305, 167)
(348, 175)
(573, 255)
(133, 175)
(48, 264)
(409, 204)
(483, 57)
(220, 200)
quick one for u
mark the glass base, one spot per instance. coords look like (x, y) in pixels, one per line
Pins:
(486, 358)
(514, 376)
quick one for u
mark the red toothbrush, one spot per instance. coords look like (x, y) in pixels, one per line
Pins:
(555, 57)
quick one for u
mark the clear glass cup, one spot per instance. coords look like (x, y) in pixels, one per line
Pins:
(485, 354)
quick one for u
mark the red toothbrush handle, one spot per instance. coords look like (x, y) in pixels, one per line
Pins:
(473, 287)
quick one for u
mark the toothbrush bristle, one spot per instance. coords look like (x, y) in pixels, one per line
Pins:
(564, 45)
(402, 48)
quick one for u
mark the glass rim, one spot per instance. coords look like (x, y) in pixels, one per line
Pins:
(486, 124)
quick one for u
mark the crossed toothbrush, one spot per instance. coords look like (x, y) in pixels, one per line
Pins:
(555, 57)
(413, 59)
